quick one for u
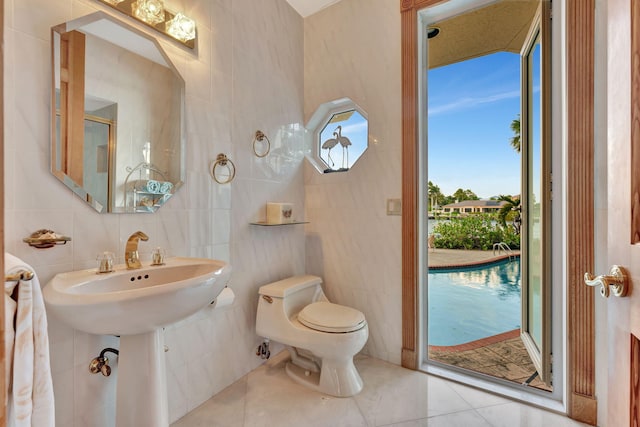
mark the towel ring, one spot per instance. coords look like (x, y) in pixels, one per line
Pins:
(223, 160)
(260, 136)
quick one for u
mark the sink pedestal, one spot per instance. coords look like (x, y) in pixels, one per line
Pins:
(136, 305)
(141, 392)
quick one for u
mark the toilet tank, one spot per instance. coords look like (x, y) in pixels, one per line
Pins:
(296, 292)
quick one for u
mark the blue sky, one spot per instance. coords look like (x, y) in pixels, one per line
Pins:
(471, 106)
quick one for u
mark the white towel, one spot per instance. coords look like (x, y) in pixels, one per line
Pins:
(28, 382)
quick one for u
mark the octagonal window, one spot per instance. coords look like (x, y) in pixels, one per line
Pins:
(341, 135)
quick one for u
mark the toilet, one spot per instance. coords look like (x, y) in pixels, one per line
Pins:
(322, 337)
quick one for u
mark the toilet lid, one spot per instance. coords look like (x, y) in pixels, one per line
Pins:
(327, 317)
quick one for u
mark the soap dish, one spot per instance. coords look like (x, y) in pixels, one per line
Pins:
(43, 239)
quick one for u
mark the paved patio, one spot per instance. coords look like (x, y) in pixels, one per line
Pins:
(442, 258)
(502, 356)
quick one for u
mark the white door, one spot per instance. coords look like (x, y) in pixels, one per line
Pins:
(623, 198)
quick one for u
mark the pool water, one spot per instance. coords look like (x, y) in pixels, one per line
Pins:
(473, 303)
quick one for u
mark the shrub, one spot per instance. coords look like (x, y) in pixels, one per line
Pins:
(474, 232)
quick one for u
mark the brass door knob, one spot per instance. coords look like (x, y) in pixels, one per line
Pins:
(616, 280)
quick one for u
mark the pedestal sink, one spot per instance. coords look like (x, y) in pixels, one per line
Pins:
(136, 304)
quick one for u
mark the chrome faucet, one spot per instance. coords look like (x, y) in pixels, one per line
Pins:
(131, 256)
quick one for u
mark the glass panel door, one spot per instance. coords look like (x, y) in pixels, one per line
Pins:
(536, 198)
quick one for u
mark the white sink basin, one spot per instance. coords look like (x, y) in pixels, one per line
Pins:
(130, 302)
(136, 304)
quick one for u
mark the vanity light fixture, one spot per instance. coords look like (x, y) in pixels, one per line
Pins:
(153, 13)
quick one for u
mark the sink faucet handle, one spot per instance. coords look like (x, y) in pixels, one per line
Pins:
(157, 257)
(105, 262)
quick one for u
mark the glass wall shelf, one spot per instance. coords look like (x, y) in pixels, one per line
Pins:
(272, 224)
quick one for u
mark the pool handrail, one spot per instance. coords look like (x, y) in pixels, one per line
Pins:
(502, 246)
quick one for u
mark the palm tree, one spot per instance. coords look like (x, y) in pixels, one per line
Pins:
(511, 205)
(435, 195)
(515, 140)
(461, 195)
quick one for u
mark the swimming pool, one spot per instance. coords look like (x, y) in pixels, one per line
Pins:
(472, 303)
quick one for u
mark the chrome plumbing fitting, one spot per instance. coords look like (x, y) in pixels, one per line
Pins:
(263, 350)
(101, 363)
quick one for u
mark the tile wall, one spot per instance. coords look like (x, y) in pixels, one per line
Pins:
(352, 49)
(247, 75)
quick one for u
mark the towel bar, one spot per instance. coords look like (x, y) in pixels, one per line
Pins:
(20, 275)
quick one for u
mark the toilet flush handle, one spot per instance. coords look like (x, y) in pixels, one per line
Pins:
(267, 298)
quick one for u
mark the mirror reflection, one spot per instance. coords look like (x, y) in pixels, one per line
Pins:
(118, 112)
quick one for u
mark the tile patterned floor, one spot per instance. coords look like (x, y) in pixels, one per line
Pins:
(506, 358)
(392, 396)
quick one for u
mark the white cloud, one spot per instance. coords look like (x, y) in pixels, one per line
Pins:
(470, 102)
(356, 127)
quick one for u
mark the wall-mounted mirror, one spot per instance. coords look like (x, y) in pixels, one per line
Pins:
(117, 115)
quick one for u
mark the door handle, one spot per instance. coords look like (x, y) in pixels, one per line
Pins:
(617, 280)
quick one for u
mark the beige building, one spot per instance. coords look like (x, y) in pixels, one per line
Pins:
(474, 206)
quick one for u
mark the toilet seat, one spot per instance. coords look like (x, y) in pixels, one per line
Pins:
(334, 318)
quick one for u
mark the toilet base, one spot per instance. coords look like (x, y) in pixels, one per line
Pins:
(338, 378)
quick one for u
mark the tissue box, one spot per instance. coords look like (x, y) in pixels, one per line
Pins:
(279, 213)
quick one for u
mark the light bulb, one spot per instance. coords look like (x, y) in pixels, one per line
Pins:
(150, 11)
(182, 27)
